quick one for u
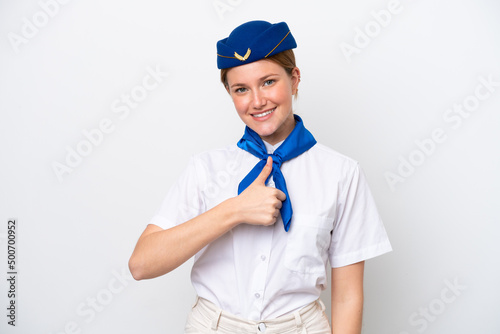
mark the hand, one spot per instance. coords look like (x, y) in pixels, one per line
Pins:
(258, 204)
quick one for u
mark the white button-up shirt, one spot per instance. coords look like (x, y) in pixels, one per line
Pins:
(262, 272)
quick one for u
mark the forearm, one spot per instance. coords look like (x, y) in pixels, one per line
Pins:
(162, 251)
(347, 299)
(347, 316)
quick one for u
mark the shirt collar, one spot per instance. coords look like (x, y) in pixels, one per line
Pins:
(271, 148)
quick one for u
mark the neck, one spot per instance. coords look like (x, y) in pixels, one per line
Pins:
(281, 133)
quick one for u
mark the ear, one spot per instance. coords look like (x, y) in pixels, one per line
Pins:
(295, 80)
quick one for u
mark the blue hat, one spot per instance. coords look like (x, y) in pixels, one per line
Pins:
(252, 41)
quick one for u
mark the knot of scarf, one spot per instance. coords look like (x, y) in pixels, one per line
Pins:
(297, 142)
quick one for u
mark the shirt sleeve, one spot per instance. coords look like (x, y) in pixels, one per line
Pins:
(183, 201)
(358, 232)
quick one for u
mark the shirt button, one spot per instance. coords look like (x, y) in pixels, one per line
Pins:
(262, 327)
(263, 257)
(257, 295)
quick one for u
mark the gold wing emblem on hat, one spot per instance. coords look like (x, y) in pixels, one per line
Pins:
(245, 57)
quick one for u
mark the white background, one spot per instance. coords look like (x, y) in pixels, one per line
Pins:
(63, 75)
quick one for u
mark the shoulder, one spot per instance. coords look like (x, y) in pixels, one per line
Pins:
(327, 156)
(329, 167)
(217, 154)
(224, 158)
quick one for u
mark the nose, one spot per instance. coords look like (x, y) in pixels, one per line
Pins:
(259, 99)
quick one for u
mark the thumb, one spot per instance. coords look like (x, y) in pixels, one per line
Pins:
(265, 171)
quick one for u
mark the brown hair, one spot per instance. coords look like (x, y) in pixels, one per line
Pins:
(285, 59)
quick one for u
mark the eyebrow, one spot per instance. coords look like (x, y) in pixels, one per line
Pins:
(261, 79)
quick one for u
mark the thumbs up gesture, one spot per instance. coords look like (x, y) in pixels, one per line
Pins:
(258, 204)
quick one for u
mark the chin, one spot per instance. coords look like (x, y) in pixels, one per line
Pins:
(264, 131)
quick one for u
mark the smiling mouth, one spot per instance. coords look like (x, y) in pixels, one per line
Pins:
(265, 113)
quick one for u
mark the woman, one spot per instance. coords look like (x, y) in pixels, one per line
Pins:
(264, 217)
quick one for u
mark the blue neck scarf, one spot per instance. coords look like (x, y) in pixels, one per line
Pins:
(299, 141)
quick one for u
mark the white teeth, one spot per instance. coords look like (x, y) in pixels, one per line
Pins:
(264, 113)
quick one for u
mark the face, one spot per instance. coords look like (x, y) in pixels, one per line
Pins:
(262, 95)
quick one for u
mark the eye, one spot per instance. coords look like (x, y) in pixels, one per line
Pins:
(240, 90)
(268, 82)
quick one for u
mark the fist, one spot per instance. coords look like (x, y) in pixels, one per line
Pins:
(258, 204)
